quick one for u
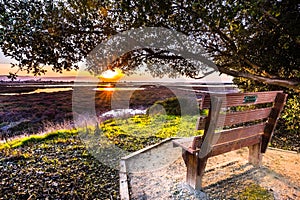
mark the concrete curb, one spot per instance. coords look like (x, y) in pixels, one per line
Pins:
(282, 150)
(127, 161)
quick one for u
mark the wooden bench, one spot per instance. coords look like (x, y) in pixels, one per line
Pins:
(234, 121)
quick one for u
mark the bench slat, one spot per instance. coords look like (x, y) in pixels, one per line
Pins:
(239, 133)
(244, 116)
(237, 117)
(238, 99)
(234, 145)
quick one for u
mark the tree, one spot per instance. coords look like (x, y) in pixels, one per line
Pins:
(60, 34)
(257, 40)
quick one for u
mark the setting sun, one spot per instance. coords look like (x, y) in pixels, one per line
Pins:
(111, 76)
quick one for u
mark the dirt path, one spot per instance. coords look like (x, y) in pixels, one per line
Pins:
(225, 176)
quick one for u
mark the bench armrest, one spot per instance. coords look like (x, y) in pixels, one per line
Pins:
(187, 144)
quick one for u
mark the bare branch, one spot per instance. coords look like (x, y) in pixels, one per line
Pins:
(295, 85)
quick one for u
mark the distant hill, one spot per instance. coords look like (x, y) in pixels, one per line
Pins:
(39, 78)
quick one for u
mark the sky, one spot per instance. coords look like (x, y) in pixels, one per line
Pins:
(5, 68)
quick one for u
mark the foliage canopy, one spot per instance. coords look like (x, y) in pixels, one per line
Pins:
(257, 40)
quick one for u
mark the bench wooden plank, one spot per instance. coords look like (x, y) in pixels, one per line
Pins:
(186, 144)
(201, 122)
(234, 145)
(222, 137)
(272, 121)
(237, 133)
(255, 155)
(237, 99)
(230, 119)
(210, 126)
(245, 116)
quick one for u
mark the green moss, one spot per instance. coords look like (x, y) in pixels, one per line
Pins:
(161, 126)
(143, 130)
(255, 192)
(32, 139)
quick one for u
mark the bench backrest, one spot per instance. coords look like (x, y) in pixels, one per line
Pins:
(243, 119)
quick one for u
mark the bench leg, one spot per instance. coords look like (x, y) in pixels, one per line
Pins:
(195, 169)
(255, 155)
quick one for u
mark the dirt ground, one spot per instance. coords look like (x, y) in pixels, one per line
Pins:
(226, 175)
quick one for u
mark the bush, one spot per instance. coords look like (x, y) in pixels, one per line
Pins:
(291, 114)
(287, 132)
(171, 106)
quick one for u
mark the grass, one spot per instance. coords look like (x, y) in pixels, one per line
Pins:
(55, 166)
(161, 126)
(61, 157)
(60, 164)
(143, 130)
(139, 128)
(33, 139)
(255, 192)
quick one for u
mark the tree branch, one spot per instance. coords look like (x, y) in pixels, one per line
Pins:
(295, 85)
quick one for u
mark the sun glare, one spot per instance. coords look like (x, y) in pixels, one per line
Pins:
(111, 76)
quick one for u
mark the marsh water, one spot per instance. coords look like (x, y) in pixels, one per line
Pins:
(11, 88)
(25, 108)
